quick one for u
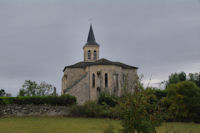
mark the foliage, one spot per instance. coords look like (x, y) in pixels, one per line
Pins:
(31, 88)
(179, 77)
(175, 78)
(64, 100)
(183, 99)
(93, 109)
(106, 98)
(1, 102)
(194, 77)
(109, 129)
(89, 109)
(3, 93)
(160, 94)
(182, 102)
(139, 112)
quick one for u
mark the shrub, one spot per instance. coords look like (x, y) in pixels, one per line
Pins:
(115, 112)
(160, 93)
(109, 129)
(106, 98)
(77, 111)
(139, 114)
(183, 99)
(64, 100)
(1, 102)
(92, 109)
(89, 109)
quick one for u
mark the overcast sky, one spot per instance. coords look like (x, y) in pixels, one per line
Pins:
(38, 38)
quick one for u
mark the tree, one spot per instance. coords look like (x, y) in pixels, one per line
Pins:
(184, 101)
(45, 89)
(2, 92)
(140, 112)
(175, 78)
(31, 88)
(194, 77)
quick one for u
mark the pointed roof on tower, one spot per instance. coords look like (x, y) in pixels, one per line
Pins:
(91, 39)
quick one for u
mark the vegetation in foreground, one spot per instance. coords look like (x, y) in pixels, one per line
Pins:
(78, 125)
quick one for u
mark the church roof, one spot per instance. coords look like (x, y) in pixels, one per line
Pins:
(102, 61)
(91, 39)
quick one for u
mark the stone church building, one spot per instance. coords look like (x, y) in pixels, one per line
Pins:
(87, 79)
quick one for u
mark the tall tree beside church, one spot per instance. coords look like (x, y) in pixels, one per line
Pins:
(31, 88)
(2, 92)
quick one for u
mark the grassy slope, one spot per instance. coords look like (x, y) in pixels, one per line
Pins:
(74, 125)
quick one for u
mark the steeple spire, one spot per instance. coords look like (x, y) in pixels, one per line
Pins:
(91, 39)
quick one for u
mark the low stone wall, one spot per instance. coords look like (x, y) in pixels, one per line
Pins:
(33, 110)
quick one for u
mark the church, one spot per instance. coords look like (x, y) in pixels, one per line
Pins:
(87, 79)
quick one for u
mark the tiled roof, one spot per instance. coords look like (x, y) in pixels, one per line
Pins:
(100, 62)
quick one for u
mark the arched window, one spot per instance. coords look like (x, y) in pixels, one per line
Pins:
(95, 55)
(93, 80)
(106, 80)
(89, 54)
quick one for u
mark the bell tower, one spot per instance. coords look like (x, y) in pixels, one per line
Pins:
(91, 48)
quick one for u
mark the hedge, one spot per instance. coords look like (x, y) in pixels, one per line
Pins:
(93, 109)
(64, 100)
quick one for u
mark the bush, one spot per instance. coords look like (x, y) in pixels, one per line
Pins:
(64, 100)
(139, 113)
(183, 99)
(92, 109)
(89, 109)
(160, 93)
(1, 102)
(106, 98)
(109, 129)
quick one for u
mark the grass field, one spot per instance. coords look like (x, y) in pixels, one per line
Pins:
(76, 125)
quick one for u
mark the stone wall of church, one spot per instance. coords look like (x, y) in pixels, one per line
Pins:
(70, 76)
(129, 79)
(100, 79)
(81, 90)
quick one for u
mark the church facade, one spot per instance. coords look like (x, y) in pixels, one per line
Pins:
(87, 79)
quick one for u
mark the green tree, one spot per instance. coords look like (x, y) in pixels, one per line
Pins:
(31, 88)
(45, 89)
(2, 92)
(139, 113)
(184, 101)
(175, 78)
(194, 77)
